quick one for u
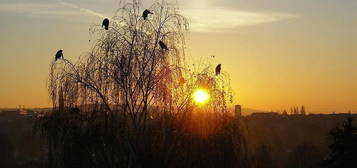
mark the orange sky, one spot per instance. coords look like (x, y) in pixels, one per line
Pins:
(278, 54)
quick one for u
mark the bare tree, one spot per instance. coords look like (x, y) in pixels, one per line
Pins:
(136, 97)
(126, 66)
(127, 71)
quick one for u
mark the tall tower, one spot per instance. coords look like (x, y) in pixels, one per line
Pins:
(238, 110)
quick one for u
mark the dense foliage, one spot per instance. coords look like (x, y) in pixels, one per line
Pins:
(344, 146)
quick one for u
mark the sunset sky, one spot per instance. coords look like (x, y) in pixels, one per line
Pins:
(279, 53)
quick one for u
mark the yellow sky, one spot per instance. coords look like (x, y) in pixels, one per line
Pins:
(278, 54)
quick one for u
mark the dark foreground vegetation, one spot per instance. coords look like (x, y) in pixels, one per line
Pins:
(97, 140)
(269, 140)
(297, 140)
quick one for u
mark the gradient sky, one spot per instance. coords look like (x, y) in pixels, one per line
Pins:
(279, 53)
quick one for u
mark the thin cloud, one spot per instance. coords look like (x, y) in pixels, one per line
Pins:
(206, 19)
(85, 10)
(88, 11)
(61, 8)
(216, 20)
(36, 9)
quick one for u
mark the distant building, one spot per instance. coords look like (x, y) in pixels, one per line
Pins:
(238, 110)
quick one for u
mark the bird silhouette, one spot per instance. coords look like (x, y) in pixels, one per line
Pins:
(146, 13)
(59, 55)
(218, 69)
(163, 45)
(105, 24)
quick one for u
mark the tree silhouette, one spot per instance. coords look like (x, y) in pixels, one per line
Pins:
(7, 151)
(303, 111)
(344, 146)
(262, 157)
(304, 156)
(134, 100)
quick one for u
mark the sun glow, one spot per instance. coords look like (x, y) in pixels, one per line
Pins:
(201, 96)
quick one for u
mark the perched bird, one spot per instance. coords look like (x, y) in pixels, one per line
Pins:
(163, 45)
(218, 69)
(59, 55)
(105, 24)
(146, 13)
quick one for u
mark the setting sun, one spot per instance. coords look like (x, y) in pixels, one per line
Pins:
(201, 96)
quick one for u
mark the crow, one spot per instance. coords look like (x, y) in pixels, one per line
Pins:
(59, 55)
(105, 24)
(218, 69)
(163, 45)
(146, 13)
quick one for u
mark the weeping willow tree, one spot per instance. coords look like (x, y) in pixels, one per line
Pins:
(127, 66)
(128, 102)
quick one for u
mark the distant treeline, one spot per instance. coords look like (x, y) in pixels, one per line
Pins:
(280, 140)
